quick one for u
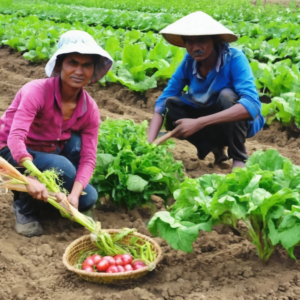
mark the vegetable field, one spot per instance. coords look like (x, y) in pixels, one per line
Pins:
(268, 35)
(222, 264)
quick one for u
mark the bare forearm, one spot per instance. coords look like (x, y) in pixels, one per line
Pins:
(155, 126)
(77, 189)
(233, 114)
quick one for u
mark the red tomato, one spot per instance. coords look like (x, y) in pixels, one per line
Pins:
(138, 266)
(138, 262)
(127, 259)
(119, 261)
(112, 269)
(87, 268)
(89, 261)
(110, 259)
(120, 269)
(102, 265)
(96, 258)
(128, 268)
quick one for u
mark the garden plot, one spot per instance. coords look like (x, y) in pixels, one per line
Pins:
(223, 265)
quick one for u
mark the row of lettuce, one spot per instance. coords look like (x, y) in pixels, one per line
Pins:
(143, 59)
(242, 8)
(261, 201)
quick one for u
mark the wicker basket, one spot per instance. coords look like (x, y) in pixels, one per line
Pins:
(84, 243)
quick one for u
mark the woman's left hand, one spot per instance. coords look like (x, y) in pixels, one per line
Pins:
(74, 200)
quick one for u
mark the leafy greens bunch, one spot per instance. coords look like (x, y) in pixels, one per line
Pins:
(129, 169)
(264, 195)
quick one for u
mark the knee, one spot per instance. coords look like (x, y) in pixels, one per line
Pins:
(227, 97)
(64, 166)
(87, 201)
(168, 103)
(172, 102)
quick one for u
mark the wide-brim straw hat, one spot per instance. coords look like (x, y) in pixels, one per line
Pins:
(196, 24)
(77, 41)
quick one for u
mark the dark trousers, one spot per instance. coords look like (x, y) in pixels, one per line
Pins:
(66, 162)
(231, 134)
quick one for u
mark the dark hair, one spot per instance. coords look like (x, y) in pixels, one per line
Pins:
(60, 58)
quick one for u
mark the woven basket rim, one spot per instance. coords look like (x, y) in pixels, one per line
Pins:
(111, 275)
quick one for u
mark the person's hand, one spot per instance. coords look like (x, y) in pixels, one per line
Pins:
(36, 189)
(186, 127)
(74, 200)
(60, 196)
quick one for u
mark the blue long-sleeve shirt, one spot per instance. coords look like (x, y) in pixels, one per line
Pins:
(232, 71)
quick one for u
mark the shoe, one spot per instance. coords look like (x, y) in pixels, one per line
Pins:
(219, 153)
(26, 225)
(237, 164)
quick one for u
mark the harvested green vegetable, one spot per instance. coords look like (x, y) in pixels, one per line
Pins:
(129, 169)
(111, 246)
(107, 244)
(49, 177)
(264, 194)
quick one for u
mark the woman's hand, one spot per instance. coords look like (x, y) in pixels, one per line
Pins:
(36, 189)
(74, 200)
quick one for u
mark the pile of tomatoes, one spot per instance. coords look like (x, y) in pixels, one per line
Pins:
(111, 264)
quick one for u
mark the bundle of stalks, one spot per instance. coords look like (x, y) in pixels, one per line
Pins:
(12, 179)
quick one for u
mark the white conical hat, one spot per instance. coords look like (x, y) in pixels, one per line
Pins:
(196, 24)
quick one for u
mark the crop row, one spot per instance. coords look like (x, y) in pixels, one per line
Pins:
(232, 11)
(271, 45)
(141, 59)
(182, 7)
(92, 16)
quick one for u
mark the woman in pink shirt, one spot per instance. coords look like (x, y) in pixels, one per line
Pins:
(54, 122)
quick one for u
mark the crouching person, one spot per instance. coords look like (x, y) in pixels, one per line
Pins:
(54, 122)
(221, 107)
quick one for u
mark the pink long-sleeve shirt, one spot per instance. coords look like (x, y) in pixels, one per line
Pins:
(35, 120)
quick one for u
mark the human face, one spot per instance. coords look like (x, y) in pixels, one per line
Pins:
(77, 69)
(199, 47)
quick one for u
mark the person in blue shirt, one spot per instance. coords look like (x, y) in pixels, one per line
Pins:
(221, 107)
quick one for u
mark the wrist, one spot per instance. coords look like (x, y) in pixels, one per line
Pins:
(77, 189)
(203, 122)
(23, 159)
(74, 194)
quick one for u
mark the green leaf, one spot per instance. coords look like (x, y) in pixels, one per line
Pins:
(136, 183)
(179, 235)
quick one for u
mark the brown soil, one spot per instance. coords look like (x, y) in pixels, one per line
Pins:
(223, 265)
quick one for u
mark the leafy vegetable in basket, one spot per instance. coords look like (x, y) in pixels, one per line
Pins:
(129, 169)
(109, 245)
(264, 195)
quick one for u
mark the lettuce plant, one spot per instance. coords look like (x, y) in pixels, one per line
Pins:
(129, 169)
(264, 195)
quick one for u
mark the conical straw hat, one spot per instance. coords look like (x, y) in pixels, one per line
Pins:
(196, 24)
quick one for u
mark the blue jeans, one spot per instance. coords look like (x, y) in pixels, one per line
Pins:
(65, 161)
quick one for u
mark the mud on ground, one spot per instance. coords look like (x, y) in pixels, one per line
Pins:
(223, 265)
